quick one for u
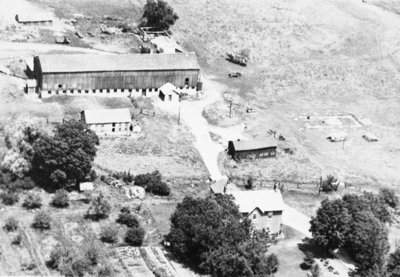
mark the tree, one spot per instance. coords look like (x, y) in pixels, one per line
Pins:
(128, 219)
(134, 236)
(211, 235)
(159, 14)
(11, 224)
(331, 224)
(60, 199)
(109, 234)
(99, 208)
(32, 201)
(65, 158)
(152, 182)
(393, 264)
(367, 242)
(315, 271)
(389, 197)
(42, 220)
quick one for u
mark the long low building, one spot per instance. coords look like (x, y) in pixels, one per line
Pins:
(252, 149)
(114, 75)
(108, 121)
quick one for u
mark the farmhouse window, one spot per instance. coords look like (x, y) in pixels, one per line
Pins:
(113, 124)
(269, 214)
(254, 216)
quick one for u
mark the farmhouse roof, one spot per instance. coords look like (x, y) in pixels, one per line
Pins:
(62, 63)
(107, 116)
(265, 200)
(243, 145)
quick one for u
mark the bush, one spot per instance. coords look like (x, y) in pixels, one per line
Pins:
(42, 220)
(17, 240)
(159, 14)
(128, 219)
(152, 182)
(60, 199)
(109, 234)
(308, 261)
(80, 266)
(11, 224)
(134, 236)
(9, 198)
(99, 209)
(272, 263)
(32, 201)
(93, 254)
(125, 210)
(389, 197)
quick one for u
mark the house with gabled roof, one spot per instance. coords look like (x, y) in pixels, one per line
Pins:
(108, 121)
(263, 207)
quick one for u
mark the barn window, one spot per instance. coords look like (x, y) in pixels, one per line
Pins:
(60, 86)
(187, 82)
(113, 124)
(49, 92)
(86, 91)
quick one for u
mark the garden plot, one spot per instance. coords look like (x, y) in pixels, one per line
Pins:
(156, 260)
(133, 261)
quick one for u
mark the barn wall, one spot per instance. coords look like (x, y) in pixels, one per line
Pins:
(256, 154)
(118, 128)
(118, 80)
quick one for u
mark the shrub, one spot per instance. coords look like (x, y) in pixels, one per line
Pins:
(105, 270)
(125, 210)
(128, 219)
(42, 220)
(102, 178)
(134, 236)
(161, 189)
(93, 254)
(152, 182)
(80, 266)
(328, 184)
(308, 261)
(9, 198)
(250, 183)
(109, 234)
(389, 197)
(17, 240)
(60, 199)
(272, 263)
(99, 209)
(32, 201)
(11, 224)
(93, 175)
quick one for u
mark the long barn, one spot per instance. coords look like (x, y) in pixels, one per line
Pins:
(115, 75)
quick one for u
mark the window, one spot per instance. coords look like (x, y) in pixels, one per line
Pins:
(170, 97)
(60, 86)
(113, 124)
(187, 82)
(270, 215)
(86, 91)
(113, 130)
(254, 216)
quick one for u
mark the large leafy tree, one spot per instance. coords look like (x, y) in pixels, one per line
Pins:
(367, 242)
(393, 265)
(331, 224)
(65, 158)
(159, 14)
(211, 234)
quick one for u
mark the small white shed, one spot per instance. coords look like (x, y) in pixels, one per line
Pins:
(169, 93)
(86, 186)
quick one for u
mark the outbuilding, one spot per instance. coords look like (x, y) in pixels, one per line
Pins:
(263, 207)
(252, 149)
(34, 19)
(108, 121)
(169, 93)
(115, 75)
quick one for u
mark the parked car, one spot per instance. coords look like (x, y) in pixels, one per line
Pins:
(234, 75)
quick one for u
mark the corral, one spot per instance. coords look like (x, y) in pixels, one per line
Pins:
(114, 75)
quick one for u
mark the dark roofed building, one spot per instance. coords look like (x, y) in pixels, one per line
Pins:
(34, 19)
(252, 149)
(113, 75)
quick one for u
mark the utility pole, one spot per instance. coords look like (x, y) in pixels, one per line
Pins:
(179, 115)
(230, 108)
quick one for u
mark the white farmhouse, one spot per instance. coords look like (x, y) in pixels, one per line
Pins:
(108, 121)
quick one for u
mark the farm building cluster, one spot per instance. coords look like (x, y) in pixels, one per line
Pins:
(129, 75)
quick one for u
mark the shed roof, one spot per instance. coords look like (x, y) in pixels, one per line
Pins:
(86, 186)
(166, 43)
(107, 116)
(168, 88)
(265, 200)
(219, 186)
(243, 145)
(63, 63)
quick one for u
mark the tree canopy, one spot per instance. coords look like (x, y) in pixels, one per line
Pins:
(65, 158)
(211, 235)
(159, 14)
(355, 223)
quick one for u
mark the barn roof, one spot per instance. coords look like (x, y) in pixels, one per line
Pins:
(107, 116)
(265, 200)
(63, 63)
(243, 145)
